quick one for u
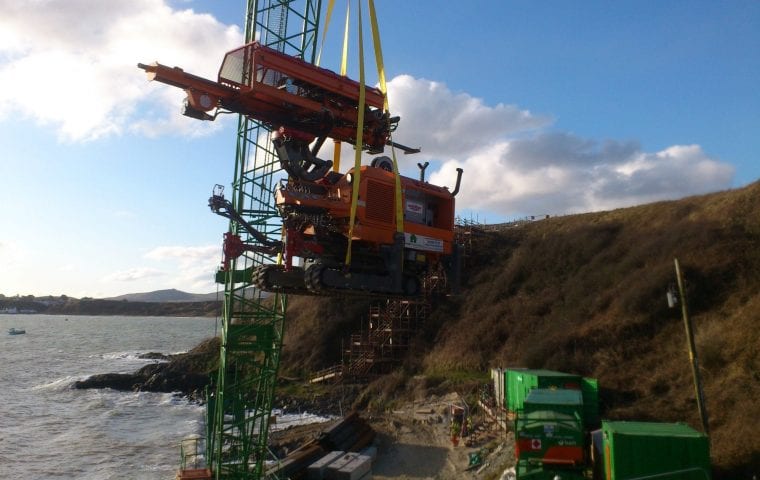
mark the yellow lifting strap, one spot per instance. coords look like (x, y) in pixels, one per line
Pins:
(360, 121)
(359, 140)
(384, 90)
(343, 64)
(343, 68)
(344, 58)
(328, 16)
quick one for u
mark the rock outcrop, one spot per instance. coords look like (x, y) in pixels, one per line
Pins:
(188, 373)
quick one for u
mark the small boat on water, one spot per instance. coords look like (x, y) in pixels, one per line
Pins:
(16, 331)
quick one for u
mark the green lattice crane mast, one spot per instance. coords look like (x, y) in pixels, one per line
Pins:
(252, 331)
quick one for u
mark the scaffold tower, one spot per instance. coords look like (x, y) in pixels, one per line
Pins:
(239, 408)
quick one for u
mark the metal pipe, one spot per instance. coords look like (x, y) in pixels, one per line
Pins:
(459, 180)
(403, 148)
(422, 170)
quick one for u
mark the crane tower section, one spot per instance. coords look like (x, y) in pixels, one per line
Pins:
(252, 330)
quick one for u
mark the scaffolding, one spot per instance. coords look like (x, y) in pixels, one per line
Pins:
(391, 324)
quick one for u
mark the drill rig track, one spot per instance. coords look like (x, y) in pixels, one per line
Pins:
(322, 281)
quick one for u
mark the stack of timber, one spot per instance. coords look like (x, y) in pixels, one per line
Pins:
(351, 434)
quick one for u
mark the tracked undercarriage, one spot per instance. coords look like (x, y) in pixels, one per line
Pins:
(384, 262)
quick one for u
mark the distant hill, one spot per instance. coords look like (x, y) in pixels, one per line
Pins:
(586, 294)
(97, 306)
(166, 296)
(159, 303)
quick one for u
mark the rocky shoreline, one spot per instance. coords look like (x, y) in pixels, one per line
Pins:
(187, 373)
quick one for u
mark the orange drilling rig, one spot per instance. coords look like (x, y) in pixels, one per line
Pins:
(303, 105)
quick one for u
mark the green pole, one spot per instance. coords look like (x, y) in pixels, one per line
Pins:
(692, 351)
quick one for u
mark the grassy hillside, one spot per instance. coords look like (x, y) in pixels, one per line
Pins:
(586, 294)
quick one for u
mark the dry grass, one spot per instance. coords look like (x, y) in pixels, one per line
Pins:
(316, 329)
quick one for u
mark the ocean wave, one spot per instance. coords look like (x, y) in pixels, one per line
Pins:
(144, 399)
(132, 356)
(283, 422)
(174, 398)
(48, 427)
(60, 384)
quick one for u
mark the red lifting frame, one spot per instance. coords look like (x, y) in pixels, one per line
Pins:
(284, 91)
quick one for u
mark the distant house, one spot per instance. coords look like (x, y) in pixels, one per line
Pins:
(14, 310)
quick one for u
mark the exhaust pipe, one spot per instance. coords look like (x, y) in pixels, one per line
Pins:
(459, 181)
(422, 170)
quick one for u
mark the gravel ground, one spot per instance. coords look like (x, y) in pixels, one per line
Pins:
(414, 442)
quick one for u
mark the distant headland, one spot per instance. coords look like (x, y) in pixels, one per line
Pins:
(169, 303)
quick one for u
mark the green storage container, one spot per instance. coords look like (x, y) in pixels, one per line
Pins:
(521, 381)
(510, 386)
(550, 402)
(549, 429)
(590, 389)
(642, 449)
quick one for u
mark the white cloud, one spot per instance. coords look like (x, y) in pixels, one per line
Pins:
(72, 64)
(126, 214)
(134, 274)
(192, 267)
(674, 172)
(12, 254)
(561, 173)
(184, 254)
(515, 165)
(449, 125)
(188, 268)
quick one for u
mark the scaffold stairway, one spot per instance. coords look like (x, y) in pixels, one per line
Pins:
(391, 326)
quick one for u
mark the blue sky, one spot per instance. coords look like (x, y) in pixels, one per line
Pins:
(550, 107)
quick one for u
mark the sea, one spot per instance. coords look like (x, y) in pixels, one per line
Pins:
(49, 430)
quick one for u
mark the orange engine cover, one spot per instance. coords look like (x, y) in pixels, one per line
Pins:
(428, 209)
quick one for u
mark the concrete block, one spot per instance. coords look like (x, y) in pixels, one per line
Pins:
(356, 469)
(331, 472)
(316, 471)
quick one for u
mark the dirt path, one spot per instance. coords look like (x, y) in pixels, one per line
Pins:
(414, 442)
